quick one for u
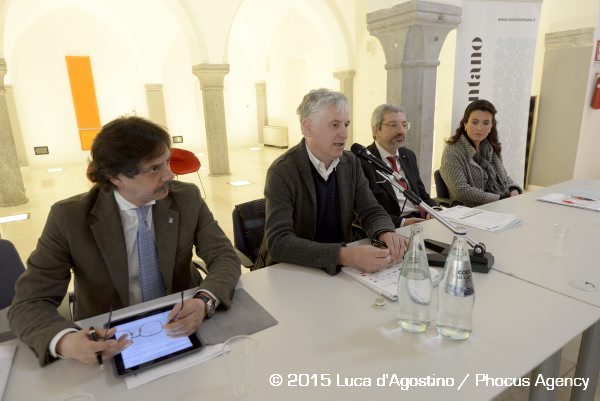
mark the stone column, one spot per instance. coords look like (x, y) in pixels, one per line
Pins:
(211, 83)
(156, 104)
(16, 127)
(346, 79)
(12, 190)
(412, 35)
(262, 116)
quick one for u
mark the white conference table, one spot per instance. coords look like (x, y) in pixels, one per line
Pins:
(525, 252)
(328, 326)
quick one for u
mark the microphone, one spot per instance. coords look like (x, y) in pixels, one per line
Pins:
(481, 260)
(365, 154)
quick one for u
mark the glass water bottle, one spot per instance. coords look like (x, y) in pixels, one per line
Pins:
(456, 293)
(414, 286)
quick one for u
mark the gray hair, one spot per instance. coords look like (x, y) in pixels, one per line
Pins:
(318, 100)
(379, 112)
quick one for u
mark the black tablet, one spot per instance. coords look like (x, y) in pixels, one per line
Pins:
(151, 344)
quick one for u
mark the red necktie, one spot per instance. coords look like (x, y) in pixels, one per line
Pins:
(394, 164)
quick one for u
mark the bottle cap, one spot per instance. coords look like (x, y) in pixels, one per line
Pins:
(379, 303)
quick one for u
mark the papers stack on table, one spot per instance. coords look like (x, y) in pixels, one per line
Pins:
(482, 219)
(385, 282)
(578, 198)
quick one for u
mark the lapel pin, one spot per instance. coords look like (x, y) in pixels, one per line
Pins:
(170, 220)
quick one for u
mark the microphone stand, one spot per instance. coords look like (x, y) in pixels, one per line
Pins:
(478, 247)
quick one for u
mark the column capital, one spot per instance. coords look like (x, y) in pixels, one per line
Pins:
(415, 12)
(211, 76)
(423, 24)
(154, 87)
(346, 74)
(571, 38)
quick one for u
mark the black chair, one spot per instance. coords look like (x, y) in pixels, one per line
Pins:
(10, 270)
(443, 196)
(248, 230)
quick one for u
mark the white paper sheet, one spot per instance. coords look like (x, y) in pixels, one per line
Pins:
(385, 282)
(207, 353)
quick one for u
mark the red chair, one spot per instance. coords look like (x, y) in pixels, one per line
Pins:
(185, 162)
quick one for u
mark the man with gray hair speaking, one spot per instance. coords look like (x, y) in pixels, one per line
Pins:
(312, 192)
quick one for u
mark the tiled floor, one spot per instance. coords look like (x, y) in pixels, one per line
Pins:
(44, 188)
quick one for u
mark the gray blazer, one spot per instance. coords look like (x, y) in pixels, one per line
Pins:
(465, 179)
(291, 210)
(84, 234)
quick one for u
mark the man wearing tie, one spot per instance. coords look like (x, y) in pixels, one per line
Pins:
(389, 128)
(129, 239)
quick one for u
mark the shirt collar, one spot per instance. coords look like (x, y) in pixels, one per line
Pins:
(320, 166)
(124, 204)
(384, 153)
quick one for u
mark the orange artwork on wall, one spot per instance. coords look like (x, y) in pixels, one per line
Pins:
(84, 98)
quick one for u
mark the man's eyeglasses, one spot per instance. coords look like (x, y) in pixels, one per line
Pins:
(405, 125)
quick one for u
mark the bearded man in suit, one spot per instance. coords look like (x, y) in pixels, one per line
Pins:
(389, 128)
(96, 235)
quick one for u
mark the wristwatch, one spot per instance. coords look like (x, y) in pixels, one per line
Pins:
(208, 301)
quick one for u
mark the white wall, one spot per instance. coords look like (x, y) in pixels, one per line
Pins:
(240, 97)
(127, 49)
(300, 52)
(560, 110)
(370, 85)
(560, 15)
(210, 22)
(42, 90)
(299, 60)
(183, 98)
(153, 47)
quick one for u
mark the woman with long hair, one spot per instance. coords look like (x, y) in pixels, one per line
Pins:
(472, 163)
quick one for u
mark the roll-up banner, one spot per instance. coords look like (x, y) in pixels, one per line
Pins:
(495, 49)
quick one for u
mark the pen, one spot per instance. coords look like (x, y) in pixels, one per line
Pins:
(583, 198)
(178, 312)
(94, 337)
(108, 323)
